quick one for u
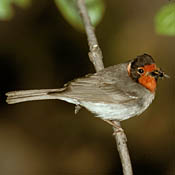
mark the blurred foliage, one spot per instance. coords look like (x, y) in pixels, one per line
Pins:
(67, 8)
(165, 20)
(6, 10)
(69, 11)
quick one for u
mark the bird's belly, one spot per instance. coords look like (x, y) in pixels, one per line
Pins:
(120, 111)
(112, 111)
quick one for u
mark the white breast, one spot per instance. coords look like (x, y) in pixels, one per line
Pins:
(119, 111)
(115, 111)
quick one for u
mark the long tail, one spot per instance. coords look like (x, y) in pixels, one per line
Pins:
(30, 95)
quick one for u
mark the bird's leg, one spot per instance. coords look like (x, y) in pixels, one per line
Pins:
(77, 109)
(117, 127)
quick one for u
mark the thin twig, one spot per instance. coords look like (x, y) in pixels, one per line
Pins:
(122, 148)
(96, 57)
(95, 53)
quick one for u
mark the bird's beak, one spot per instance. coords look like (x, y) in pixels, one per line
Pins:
(166, 76)
(158, 73)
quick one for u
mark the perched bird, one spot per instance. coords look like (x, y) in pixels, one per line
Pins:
(117, 92)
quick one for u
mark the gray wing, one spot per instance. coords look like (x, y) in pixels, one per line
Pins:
(108, 86)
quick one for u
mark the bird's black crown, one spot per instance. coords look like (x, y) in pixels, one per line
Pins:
(141, 61)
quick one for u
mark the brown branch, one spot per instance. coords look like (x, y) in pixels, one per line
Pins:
(95, 53)
(95, 56)
(122, 148)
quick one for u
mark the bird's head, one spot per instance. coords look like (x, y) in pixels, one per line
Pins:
(143, 70)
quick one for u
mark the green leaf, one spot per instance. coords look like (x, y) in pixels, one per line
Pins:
(165, 20)
(6, 10)
(68, 9)
(22, 3)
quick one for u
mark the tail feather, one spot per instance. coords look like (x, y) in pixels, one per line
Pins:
(31, 95)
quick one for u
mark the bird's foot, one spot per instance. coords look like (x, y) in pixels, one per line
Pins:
(117, 128)
(77, 109)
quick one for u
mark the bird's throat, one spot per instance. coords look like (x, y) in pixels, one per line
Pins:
(149, 82)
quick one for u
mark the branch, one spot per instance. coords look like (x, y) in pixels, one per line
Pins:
(122, 148)
(95, 56)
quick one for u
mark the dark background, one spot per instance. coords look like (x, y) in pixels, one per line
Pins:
(39, 49)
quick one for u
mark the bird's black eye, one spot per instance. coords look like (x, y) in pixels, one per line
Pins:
(140, 70)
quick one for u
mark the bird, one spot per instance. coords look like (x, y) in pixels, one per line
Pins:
(115, 93)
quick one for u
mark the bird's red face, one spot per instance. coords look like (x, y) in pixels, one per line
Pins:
(146, 79)
(144, 71)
